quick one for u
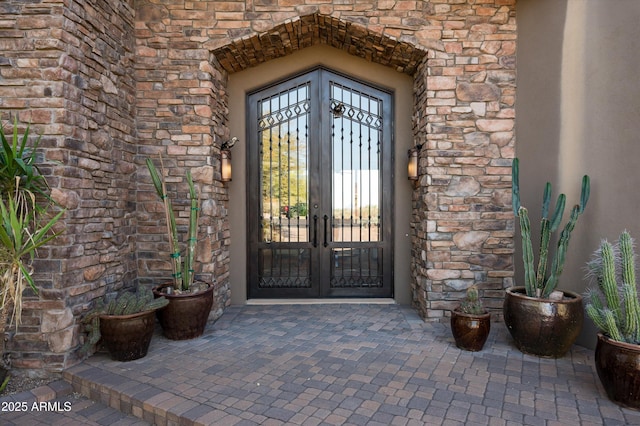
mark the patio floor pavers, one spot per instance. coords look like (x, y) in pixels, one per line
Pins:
(341, 364)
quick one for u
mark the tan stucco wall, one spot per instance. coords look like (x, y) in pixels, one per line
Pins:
(242, 82)
(578, 104)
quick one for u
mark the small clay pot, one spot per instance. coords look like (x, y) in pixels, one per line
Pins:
(470, 331)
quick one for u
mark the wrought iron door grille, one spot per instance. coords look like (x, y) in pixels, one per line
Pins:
(356, 135)
(283, 124)
(319, 188)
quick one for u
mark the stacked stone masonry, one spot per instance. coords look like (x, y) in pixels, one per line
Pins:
(109, 83)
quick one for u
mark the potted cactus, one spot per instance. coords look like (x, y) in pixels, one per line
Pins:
(470, 322)
(542, 320)
(614, 308)
(190, 300)
(124, 323)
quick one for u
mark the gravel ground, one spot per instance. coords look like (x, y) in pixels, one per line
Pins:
(20, 383)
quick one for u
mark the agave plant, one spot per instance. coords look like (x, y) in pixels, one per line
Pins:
(538, 282)
(183, 270)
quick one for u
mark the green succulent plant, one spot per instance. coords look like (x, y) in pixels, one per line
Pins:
(183, 269)
(125, 303)
(472, 304)
(613, 305)
(538, 282)
(26, 223)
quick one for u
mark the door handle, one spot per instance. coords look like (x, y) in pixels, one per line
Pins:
(315, 230)
(326, 218)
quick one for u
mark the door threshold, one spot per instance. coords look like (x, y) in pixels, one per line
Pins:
(329, 301)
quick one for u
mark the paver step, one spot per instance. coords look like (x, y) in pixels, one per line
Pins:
(57, 404)
(143, 401)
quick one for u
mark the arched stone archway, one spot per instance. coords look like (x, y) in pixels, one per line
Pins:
(314, 29)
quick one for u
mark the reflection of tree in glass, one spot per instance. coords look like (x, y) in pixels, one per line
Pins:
(284, 170)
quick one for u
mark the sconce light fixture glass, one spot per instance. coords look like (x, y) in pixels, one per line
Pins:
(225, 159)
(412, 165)
(225, 165)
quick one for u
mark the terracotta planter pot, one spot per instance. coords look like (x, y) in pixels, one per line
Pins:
(185, 317)
(470, 331)
(618, 367)
(127, 337)
(542, 327)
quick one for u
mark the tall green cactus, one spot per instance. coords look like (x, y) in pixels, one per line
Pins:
(183, 271)
(614, 306)
(537, 282)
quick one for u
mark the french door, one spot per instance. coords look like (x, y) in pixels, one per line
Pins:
(320, 173)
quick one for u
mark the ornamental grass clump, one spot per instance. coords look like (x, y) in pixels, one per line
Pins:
(539, 283)
(614, 306)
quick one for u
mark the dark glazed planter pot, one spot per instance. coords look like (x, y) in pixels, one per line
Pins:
(542, 327)
(185, 317)
(470, 331)
(618, 367)
(127, 337)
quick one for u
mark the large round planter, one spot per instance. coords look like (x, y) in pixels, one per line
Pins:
(470, 331)
(185, 317)
(618, 367)
(542, 327)
(127, 337)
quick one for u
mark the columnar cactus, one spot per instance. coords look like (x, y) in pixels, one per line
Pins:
(614, 306)
(537, 283)
(183, 270)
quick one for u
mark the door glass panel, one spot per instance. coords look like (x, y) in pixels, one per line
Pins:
(356, 135)
(284, 268)
(283, 126)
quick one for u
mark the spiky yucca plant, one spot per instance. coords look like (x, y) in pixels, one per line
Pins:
(614, 306)
(25, 225)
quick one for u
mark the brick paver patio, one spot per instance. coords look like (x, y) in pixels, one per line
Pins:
(332, 365)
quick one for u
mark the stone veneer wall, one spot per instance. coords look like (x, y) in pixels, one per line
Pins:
(464, 118)
(109, 86)
(181, 116)
(66, 67)
(462, 56)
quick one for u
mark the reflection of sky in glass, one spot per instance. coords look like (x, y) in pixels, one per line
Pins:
(356, 188)
(356, 133)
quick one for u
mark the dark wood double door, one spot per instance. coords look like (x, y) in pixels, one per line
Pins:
(320, 174)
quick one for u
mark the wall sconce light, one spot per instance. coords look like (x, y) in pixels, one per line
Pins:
(412, 165)
(225, 159)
